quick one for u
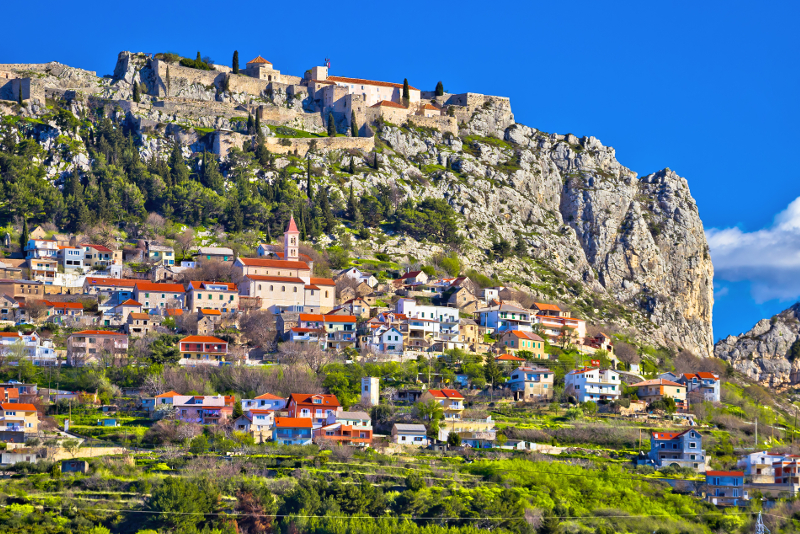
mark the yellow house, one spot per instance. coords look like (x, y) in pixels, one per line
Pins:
(452, 401)
(19, 417)
(660, 388)
(515, 340)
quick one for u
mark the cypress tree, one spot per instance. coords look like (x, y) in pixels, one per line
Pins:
(325, 208)
(235, 62)
(331, 125)
(309, 189)
(23, 237)
(439, 89)
(352, 165)
(406, 92)
(259, 133)
(167, 80)
(351, 204)
(136, 94)
(448, 165)
(250, 124)
(19, 95)
(353, 126)
(199, 59)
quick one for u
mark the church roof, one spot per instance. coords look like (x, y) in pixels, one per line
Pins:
(292, 226)
(259, 59)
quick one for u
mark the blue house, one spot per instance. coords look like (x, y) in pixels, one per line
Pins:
(726, 488)
(505, 317)
(679, 449)
(107, 422)
(292, 430)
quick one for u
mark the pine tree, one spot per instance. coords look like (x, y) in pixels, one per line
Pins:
(406, 92)
(309, 189)
(352, 207)
(439, 89)
(23, 237)
(235, 62)
(73, 187)
(352, 165)
(520, 248)
(325, 208)
(331, 125)
(178, 169)
(136, 93)
(353, 125)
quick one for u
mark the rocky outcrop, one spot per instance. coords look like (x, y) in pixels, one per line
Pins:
(765, 352)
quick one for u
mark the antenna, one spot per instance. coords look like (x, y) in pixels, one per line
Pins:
(328, 62)
(760, 528)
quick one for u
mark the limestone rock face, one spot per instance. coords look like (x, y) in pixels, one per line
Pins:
(764, 352)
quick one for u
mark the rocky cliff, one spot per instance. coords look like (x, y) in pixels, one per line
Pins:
(617, 248)
(765, 352)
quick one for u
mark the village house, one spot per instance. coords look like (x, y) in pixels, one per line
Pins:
(222, 296)
(267, 401)
(660, 388)
(509, 360)
(502, 317)
(219, 254)
(513, 341)
(139, 324)
(385, 340)
(43, 269)
(22, 289)
(531, 383)
(119, 312)
(154, 296)
(160, 254)
(88, 346)
(9, 394)
(99, 257)
(54, 309)
(38, 351)
(725, 488)
(203, 409)
(593, 384)
(679, 449)
(17, 416)
(41, 249)
(347, 428)
(292, 431)
(337, 331)
(357, 307)
(451, 401)
(207, 321)
(705, 385)
(119, 288)
(359, 276)
(414, 435)
(562, 330)
(202, 350)
(316, 407)
(760, 466)
(256, 422)
(70, 259)
(9, 309)
(161, 400)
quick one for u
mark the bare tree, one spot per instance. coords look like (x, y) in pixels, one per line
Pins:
(153, 385)
(155, 225)
(209, 271)
(103, 234)
(309, 354)
(187, 323)
(626, 352)
(259, 329)
(184, 242)
(35, 309)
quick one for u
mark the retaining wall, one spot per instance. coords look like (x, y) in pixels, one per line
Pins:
(280, 146)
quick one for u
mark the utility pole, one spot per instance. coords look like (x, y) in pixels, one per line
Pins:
(640, 440)
(794, 428)
(756, 444)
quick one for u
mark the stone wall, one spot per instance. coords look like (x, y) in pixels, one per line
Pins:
(225, 140)
(185, 82)
(246, 84)
(443, 123)
(279, 116)
(286, 146)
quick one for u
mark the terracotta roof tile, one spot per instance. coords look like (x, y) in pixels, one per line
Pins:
(361, 81)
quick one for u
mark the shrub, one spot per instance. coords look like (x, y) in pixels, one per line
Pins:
(429, 270)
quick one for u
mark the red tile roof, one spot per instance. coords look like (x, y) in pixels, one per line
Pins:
(173, 311)
(411, 274)
(292, 225)
(20, 407)
(99, 248)
(263, 262)
(657, 382)
(164, 288)
(388, 104)
(206, 311)
(299, 330)
(259, 59)
(340, 319)
(306, 399)
(168, 394)
(312, 287)
(200, 285)
(525, 335)
(96, 333)
(431, 107)
(293, 422)
(311, 317)
(668, 435)
(724, 473)
(65, 305)
(114, 282)
(509, 358)
(269, 278)
(361, 81)
(130, 302)
(202, 339)
(550, 307)
(446, 394)
(136, 315)
(322, 281)
(269, 396)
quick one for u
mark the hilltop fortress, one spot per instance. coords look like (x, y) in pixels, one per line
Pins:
(209, 108)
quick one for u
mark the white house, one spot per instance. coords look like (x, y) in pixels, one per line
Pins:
(505, 317)
(38, 351)
(386, 340)
(267, 401)
(360, 276)
(409, 434)
(593, 384)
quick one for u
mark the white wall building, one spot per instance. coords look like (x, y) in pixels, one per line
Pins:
(593, 384)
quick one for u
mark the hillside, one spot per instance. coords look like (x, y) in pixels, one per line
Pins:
(767, 352)
(554, 215)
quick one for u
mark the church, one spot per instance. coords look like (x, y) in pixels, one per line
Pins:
(285, 283)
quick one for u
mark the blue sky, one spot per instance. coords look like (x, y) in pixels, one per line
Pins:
(708, 89)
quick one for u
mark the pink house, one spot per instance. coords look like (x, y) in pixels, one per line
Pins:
(205, 410)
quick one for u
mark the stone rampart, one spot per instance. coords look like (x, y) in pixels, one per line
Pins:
(225, 140)
(180, 80)
(443, 123)
(245, 84)
(280, 116)
(302, 145)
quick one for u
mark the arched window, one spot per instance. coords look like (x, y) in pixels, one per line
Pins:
(259, 287)
(270, 288)
(283, 288)
(326, 294)
(295, 289)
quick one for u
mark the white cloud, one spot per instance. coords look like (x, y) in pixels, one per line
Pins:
(721, 293)
(769, 258)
